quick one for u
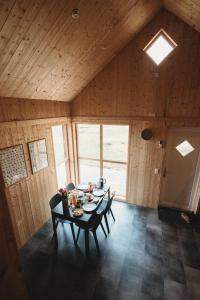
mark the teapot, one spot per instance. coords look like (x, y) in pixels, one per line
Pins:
(101, 182)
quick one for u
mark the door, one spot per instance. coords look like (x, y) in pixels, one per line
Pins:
(181, 167)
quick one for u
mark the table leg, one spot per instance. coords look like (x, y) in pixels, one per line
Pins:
(87, 247)
(54, 230)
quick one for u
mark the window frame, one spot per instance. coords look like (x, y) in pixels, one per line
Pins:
(164, 34)
(66, 159)
(101, 160)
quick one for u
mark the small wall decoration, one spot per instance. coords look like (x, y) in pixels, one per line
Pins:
(13, 165)
(147, 134)
(38, 155)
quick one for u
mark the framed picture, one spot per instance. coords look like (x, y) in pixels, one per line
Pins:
(13, 164)
(38, 155)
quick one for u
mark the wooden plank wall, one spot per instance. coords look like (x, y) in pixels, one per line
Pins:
(11, 279)
(21, 121)
(132, 85)
(133, 88)
(12, 109)
(28, 199)
(144, 158)
(187, 10)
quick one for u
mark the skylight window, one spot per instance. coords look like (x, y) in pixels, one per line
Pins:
(160, 47)
(185, 148)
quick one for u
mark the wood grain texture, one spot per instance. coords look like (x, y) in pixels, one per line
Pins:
(144, 158)
(28, 200)
(12, 109)
(12, 284)
(187, 10)
(46, 54)
(133, 89)
(132, 85)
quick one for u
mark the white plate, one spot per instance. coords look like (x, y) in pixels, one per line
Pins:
(81, 194)
(88, 207)
(82, 187)
(98, 193)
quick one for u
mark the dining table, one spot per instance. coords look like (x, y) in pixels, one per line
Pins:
(59, 212)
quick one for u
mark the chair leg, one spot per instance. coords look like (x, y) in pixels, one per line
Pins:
(55, 231)
(87, 246)
(103, 229)
(96, 241)
(73, 233)
(78, 234)
(106, 220)
(112, 214)
(57, 224)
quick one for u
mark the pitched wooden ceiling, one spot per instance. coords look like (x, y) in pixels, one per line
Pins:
(46, 54)
(187, 10)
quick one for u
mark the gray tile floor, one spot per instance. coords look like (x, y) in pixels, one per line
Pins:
(142, 258)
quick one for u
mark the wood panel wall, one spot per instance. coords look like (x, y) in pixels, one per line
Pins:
(133, 88)
(28, 200)
(132, 85)
(13, 109)
(11, 279)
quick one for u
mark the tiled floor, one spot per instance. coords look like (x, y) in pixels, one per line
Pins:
(142, 258)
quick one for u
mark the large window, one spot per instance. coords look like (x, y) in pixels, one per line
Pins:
(103, 151)
(89, 152)
(60, 154)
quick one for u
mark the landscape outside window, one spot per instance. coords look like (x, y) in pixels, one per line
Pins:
(103, 151)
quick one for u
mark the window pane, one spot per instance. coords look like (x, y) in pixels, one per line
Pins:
(89, 170)
(61, 175)
(115, 175)
(115, 142)
(58, 143)
(89, 140)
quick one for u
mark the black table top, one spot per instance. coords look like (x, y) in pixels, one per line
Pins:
(57, 211)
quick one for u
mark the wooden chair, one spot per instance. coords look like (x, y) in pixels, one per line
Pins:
(91, 226)
(55, 200)
(105, 208)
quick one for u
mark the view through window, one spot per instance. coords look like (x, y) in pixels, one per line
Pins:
(103, 151)
(60, 154)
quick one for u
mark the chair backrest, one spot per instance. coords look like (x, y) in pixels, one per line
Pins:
(55, 200)
(109, 203)
(95, 221)
(70, 186)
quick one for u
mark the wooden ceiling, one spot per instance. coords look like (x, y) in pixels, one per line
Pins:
(187, 10)
(46, 54)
